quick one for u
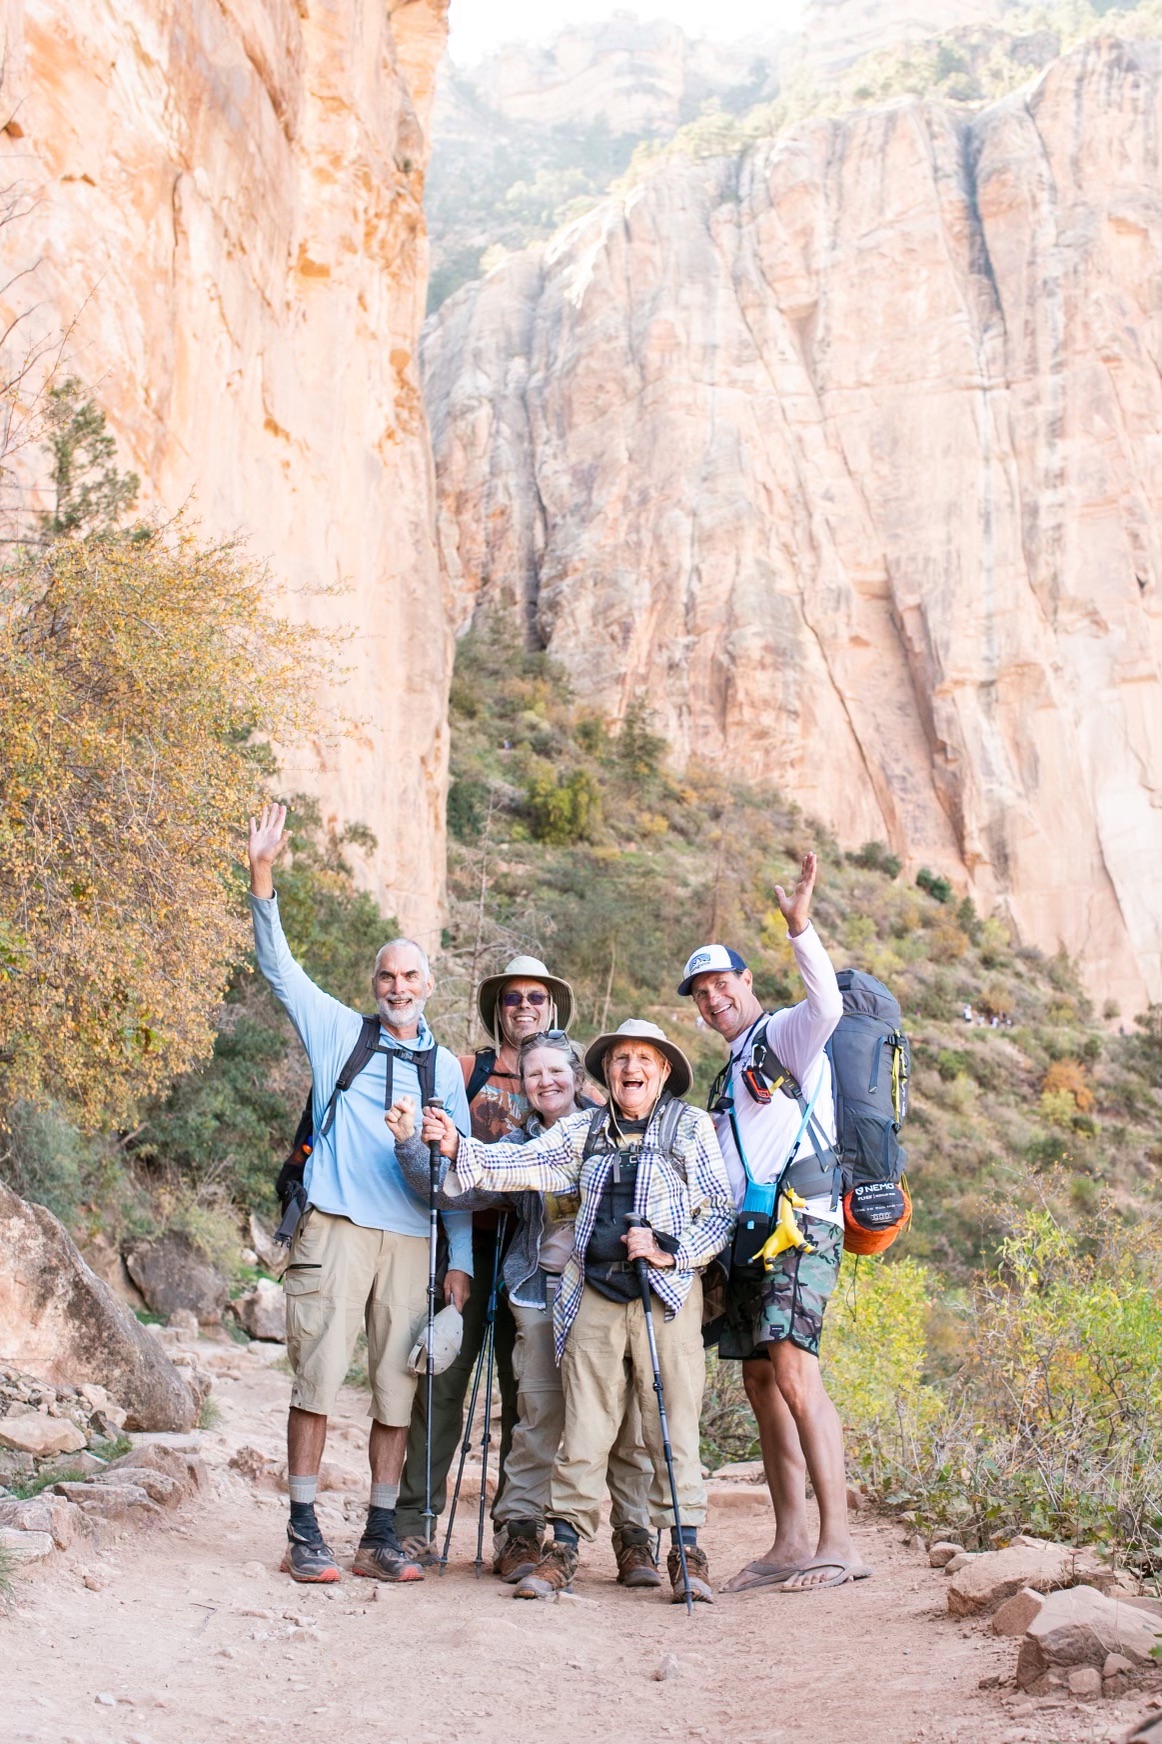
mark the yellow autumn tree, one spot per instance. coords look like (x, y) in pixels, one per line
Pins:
(141, 673)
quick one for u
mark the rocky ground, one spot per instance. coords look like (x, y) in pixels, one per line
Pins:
(185, 1632)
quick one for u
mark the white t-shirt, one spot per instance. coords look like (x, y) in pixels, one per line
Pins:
(797, 1035)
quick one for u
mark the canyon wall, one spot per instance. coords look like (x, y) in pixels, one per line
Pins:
(226, 211)
(846, 455)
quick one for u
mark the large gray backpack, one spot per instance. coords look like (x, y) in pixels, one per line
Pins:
(870, 1062)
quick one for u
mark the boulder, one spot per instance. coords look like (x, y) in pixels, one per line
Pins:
(268, 1251)
(984, 1582)
(40, 1435)
(159, 1486)
(59, 1320)
(43, 1513)
(102, 1258)
(25, 1546)
(1014, 1616)
(109, 1501)
(262, 1311)
(1078, 1627)
(173, 1274)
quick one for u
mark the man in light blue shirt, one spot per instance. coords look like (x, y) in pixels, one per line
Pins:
(359, 1257)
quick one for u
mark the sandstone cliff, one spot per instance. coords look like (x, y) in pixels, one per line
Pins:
(228, 205)
(844, 454)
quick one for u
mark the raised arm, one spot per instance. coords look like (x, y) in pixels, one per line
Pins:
(325, 1025)
(799, 1033)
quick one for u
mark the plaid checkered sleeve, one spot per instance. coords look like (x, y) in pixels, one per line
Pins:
(548, 1164)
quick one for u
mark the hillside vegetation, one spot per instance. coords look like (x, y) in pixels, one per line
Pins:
(577, 841)
(1001, 1370)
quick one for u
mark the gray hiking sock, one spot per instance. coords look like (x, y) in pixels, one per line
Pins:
(384, 1495)
(302, 1489)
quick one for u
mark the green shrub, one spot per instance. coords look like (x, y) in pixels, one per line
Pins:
(564, 809)
(939, 888)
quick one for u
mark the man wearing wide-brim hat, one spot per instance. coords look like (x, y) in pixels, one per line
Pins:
(521, 999)
(648, 1153)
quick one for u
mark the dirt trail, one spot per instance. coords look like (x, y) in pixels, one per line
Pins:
(197, 1638)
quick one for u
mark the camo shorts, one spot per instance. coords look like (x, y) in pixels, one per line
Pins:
(788, 1303)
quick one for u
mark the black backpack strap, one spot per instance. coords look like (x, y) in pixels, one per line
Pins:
(597, 1122)
(426, 1072)
(359, 1057)
(481, 1072)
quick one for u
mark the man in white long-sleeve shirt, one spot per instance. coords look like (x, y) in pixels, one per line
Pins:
(773, 1322)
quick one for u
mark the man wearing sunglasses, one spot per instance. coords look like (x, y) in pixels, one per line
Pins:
(773, 1321)
(523, 999)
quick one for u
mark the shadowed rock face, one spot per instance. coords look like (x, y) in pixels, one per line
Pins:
(844, 455)
(226, 199)
(59, 1321)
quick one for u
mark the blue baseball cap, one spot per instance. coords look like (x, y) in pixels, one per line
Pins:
(705, 960)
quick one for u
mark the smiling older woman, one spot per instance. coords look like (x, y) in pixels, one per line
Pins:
(649, 1154)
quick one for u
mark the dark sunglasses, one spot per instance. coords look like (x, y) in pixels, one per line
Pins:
(555, 1037)
(512, 1000)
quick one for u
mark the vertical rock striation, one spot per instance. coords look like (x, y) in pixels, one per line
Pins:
(847, 455)
(228, 207)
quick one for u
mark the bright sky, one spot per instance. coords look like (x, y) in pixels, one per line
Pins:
(479, 26)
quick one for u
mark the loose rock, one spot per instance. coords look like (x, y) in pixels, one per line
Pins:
(42, 1513)
(1080, 1627)
(25, 1546)
(984, 1582)
(30, 1432)
(1014, 1616)
(262, 1311)
(667, 1668)
(939, 1555)
(1085, 1683)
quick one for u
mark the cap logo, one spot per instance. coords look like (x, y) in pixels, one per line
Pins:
(698, 961)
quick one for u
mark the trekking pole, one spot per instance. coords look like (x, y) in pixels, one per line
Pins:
(643, 1277)
(489, 1345)
(465, 1449)
(435, 1103)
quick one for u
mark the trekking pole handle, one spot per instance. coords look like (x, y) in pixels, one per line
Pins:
(436, 1103)
(633, 1221)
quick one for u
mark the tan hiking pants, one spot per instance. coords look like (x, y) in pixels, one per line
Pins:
(606, 1359)
(537, 1436)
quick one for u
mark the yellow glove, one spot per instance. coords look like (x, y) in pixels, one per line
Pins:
(786, 1232)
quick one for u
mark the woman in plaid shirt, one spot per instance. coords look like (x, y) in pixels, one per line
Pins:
(651, 1154)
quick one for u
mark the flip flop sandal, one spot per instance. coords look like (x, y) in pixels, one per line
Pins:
(762, 1574)
(844, 1572)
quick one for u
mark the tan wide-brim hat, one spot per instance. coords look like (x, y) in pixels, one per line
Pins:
(524, 969)
(681, 1077)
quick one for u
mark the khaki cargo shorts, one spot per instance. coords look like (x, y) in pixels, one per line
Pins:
(341, 1280)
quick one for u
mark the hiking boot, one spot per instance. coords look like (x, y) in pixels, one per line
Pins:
(418, 1550)
(553, 1574)
(518, 1555)
(385, 1559)
(697, 1568)
(637, 1566)
(307, 1557)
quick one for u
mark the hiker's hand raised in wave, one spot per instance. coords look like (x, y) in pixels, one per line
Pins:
(796, 908)
(440, 1127)
(268, 838)
(401, 1119)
